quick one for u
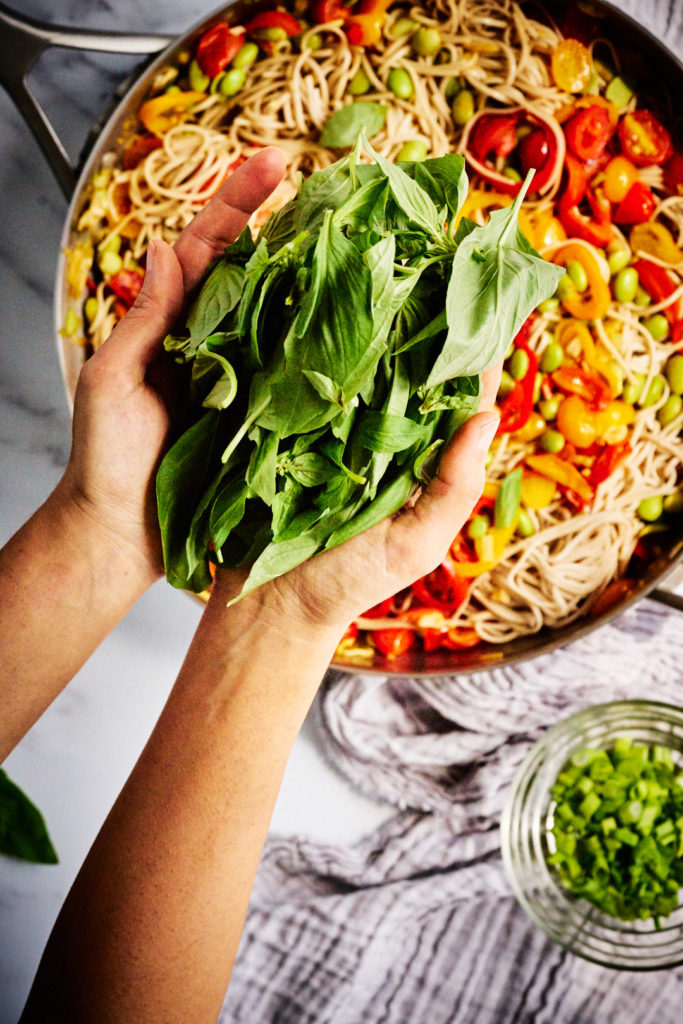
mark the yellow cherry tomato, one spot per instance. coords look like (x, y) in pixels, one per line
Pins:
(571, 65)
(532, 429)
(653, 239)
(620, 174)
(617, 414)
(577, 422)
(537, 491)
(547, 230)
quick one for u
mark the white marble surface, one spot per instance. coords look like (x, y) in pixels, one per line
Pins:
(74, 761)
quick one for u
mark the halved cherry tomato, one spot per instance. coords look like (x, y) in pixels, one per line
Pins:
(576, 422)
(364, 26)
(637, 206)
(273, 19)
(588, 132)
(620, 174)
(571, 65)
(534, 150)
(138, 148)
(126, 285)
(494, 133)
(587, 384)
(162, 112)
(393, 642)
(644, 139)
(217, 47)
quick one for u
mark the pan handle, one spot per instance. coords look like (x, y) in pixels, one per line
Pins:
(22, 41)
(666, 596)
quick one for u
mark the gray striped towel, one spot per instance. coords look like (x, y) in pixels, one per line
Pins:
(416, 924)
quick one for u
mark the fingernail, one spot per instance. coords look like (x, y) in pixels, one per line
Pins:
(487, 425)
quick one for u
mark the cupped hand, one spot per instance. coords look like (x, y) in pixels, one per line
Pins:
(334, 587)
(123, 410)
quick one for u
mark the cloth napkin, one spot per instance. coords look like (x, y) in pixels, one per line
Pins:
(416, 924)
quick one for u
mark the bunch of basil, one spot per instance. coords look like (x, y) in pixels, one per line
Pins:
(331, 360)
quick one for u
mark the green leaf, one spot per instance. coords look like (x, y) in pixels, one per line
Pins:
(390, 499)
(227, 510)
(444, 179)
(219, 294)
(346, 124)
(23, 832)
(262, 467)
(385, 432)
(411, 198)
(508, 499)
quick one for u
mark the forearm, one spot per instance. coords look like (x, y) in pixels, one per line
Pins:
(65, 584)
(162, 896)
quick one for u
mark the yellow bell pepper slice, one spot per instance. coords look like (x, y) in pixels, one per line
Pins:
(163, 112)
(594, 301)
(562, 472)
(537, 491)
(577, 341)
(490, 549)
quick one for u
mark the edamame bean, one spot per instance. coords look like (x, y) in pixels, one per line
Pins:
(359, 84)
(247, 54)
(313, 42)
(272, 34)
(633, 389)
(549, 305)
(552, 441)
(642, 298)
(651, 509)
(674, 374)
(412, 151)
(671, 409)
(552, 358)
(71, 323)
(404, 27)
(577, 275)
(625, 285)
(91, 307)
(507, 383)
(453, 87)
(512, 174)
(462, 107)
(426, 41)
(400, 83)
(110, 262)
(519, 363)
(565, 288)
(548, 408)
(233, 80)
(657, 325)
(196, 77)
(654, 392)
(673, 503)
(525, 525)
(479, 526)
(618, 259)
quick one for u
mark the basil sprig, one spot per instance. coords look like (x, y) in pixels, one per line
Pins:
(23, 832)
(330, 361)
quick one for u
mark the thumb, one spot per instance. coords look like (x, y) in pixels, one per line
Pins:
(137, 339)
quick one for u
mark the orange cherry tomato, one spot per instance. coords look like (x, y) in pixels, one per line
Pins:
(577, 422)
(571, 65)
(620, 174)
(393, 642)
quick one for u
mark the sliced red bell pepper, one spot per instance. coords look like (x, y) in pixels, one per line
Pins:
(393, 642)
(273, 19)
(659, 285)
(596, 229)
(488, 133)
(637, 206)
(379, 611)
(126, 285)
(518, 406)
(442, 589)
(607, 461)
(588, 132)
(459, 637)
(138, 148)
(217, 47)
(588, 384)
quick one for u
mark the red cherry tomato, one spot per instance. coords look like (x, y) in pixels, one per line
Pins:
(126, 286)
(217, 47)
(588, 132)
(533, 150)
(494, 133)
(393, 642)
(637, 206)
(643, 139)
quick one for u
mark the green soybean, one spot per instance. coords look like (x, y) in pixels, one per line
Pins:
(400, 83)
(359, 84)
(196, 77)
(625, 285)
(552, 441)
(313, 42)
(577, 274)
(634, 389)
(272, 34)
(91, 307)
(404, 27)
(670, 410)
(426, 41)
(233, 81)
(552, 358)
(674, 374)
(549, 305)
(673, 503)
(462, 107)
(245, 56)
(479, 526)
(566, 288)
(413, 151)
(642, 298)
(512, 174)
(452, 88)
(618, 259)
(650, 509)
(519, 363)
(658, 326)
(525, 524)
(548, 408)
(110, 262)
(507, 383)
(654, 392)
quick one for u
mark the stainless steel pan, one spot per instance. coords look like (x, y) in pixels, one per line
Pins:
(23, 40)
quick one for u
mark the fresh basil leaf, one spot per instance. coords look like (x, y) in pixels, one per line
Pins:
(310, 469)
(346, 124)
(411, 198)
(385, 432)
(325, 387)
(263, 464)
(444, 179)
(219, 294)
(23, 832)
(508, 499)
(227, 510)
(391, 498)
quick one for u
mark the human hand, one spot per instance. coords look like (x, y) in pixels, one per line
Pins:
(123, 410)
(329, 590)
